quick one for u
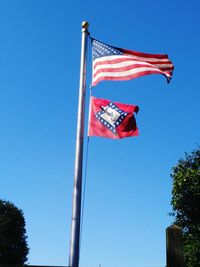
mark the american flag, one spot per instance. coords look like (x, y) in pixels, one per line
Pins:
(112, 63)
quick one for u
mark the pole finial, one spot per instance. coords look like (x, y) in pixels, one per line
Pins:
(85, 25)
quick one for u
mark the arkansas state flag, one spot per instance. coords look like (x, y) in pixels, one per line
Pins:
(112, 120)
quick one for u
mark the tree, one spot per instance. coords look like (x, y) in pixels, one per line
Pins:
(186, 204)
(13, 239)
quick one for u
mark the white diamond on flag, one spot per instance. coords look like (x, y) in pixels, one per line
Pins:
(111, 116)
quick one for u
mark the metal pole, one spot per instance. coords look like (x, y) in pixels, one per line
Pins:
(76, 208)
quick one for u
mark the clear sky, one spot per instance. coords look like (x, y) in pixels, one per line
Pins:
(128, 189)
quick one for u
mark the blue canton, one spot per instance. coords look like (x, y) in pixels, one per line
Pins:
(110, 121)
(102, 50)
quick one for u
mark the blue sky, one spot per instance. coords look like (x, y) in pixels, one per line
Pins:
(128, 181)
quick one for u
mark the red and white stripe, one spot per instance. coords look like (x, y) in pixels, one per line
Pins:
(130, 65)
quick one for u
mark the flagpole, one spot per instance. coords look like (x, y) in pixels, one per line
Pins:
(76, 206)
